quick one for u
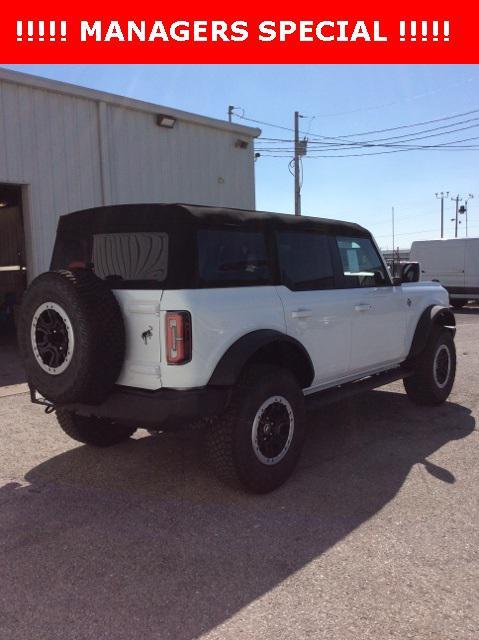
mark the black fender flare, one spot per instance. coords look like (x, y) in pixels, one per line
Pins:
(432, 316)
(229, 367)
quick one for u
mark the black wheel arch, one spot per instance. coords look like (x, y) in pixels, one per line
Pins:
(432, 317)
(264, 345)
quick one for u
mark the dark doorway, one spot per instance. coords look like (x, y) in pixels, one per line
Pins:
(13, 279)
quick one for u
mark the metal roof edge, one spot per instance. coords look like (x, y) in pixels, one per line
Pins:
(66, 88)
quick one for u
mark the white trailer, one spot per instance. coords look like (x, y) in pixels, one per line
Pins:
(454, 263)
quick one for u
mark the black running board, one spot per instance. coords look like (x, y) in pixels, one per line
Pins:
(335, 394)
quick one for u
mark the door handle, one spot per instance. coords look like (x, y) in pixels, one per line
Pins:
(301, 313)
(362, 307)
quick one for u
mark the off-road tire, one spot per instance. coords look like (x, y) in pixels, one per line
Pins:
(458, 304)
(422, 387)
(229, 438)
(98, 330)
(98, 432)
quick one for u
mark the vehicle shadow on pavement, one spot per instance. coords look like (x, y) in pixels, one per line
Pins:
(139, 541)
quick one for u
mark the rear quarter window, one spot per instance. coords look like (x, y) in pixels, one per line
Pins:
(131, 257)
(232, 258)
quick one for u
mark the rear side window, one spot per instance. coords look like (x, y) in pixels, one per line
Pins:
(305, 261)
(362, 266)
(230, 257)
(130, 257)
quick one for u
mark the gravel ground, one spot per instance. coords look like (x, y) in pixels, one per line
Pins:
(375, 536)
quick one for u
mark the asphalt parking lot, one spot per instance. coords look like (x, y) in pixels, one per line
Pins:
(375, 536)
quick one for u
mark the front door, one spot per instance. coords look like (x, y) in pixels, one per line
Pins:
(378, 308)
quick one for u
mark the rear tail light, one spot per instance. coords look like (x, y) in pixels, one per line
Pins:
(178, 337)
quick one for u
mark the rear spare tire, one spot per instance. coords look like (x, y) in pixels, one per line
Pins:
(71, 336)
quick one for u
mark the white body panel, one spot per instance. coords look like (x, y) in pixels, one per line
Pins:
(455, 263)
(421, 295)
(343, 343)
(219, 318)
(378, 327)
(382, 337)
(141, 312)
(321, 321)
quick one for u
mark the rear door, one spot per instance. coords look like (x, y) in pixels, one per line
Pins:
(317, 314)
(378, 309)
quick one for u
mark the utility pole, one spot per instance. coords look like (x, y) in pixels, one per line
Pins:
(230, 113)
(297, 185)
(441, 197)
(300, 149)
(457, 200)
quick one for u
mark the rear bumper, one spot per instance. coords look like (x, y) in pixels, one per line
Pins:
(168, 408)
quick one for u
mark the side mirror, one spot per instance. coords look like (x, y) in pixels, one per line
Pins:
(408, 272)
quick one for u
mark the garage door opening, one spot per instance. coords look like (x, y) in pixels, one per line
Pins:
(13, 278)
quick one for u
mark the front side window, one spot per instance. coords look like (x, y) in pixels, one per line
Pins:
(362, 266)
(305, 261)
(230, 257)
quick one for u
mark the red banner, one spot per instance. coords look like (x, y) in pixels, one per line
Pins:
(372, 32)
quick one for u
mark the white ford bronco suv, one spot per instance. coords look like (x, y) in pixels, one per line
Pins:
(164, 315)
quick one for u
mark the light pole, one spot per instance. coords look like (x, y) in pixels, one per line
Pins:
(441, 197)
(392, 219)
(469, 197)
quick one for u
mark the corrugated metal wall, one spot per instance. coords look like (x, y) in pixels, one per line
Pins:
(188, 163)
(75, 153)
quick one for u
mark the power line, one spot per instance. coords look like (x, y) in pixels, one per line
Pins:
(411, 126)
(350, 135)
(438, 147)
(387, 143)
(417, 134)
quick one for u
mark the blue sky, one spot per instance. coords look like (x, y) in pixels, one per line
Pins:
(336, 100)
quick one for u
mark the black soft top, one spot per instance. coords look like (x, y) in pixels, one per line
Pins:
(160, 217)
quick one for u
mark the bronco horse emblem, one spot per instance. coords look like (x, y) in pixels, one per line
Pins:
(146, 335)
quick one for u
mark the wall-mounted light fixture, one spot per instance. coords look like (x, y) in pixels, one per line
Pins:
(168, 122)
(3, 204)
(241, 144)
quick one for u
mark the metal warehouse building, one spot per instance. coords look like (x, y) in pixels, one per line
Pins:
(64, 148)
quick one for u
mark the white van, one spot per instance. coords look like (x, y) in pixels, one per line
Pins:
(454, 263)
